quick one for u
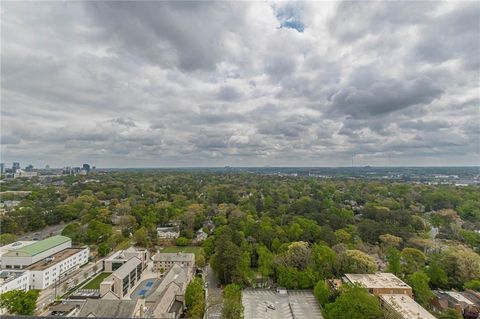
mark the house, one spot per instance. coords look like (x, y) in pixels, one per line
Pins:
(122, 280)
(467, 303)
(380, 283)
(25, 256)
(166, 233)
(115, 261)
(201, 236)
(166, 261)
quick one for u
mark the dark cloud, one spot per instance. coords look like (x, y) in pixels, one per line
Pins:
(384, 97)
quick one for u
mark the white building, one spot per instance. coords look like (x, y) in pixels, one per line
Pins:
(168, 232)
(21, 173)
(16, 245)
(14, 280)
(25, 256)
(45, 272)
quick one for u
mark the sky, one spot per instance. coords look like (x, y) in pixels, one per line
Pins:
(175, 84)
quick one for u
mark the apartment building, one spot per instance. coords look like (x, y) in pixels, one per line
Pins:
(380, 283)
(122, 280)
(165, 261)
(46, 272)
(402, 306)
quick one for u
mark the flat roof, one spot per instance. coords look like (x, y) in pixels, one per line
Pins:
(378, 280)
(406, 307)
(9, 275)
(55, 259)
(43, 245)
(459, 297)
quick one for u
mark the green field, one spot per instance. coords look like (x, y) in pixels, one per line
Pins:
(186, 249)
(95, 282)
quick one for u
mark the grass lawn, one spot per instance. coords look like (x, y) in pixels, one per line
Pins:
(185, 249)
(95, 282)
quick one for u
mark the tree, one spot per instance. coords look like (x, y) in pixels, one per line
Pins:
(449, 314)
(195, 298)
(421, 290)
(6, 239)
(103, 249)
(232, 302)
(19, 302)
(354, 303)
(472, 284)
(390, 240)
(356, 261)
(141, 237)
(321, 292)
(265, 261)
(182, 241)
(413, 260)
(438, 276)
(461, 265)
(324, 259)
(393, 259)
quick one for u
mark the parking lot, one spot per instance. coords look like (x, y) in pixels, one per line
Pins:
(267, 304)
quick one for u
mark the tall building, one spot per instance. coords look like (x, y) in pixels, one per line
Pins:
(2, 166)
(15, 166)
(29, 168)
(86, 167)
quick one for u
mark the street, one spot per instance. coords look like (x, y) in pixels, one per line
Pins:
(44, 233)
(214, 295)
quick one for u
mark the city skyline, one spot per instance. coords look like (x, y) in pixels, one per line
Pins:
(210, 84)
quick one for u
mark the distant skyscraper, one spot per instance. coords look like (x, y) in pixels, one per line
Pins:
(2, 166)
(15, 166)
(29, 168)
(86, 167)
(47, 166)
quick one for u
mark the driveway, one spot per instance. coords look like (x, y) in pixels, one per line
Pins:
(214, 295)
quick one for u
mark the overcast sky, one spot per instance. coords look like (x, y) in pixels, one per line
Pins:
(129, 84)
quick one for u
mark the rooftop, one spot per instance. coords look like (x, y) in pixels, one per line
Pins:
(406, 307)
(127, 267)
(108, 308)
(54, 259)
(378, 280)
(13, 246)
(177, 257)
(9, 275)
(43, 245)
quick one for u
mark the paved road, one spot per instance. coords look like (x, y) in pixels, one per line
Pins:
(214, 295)
(44, 233)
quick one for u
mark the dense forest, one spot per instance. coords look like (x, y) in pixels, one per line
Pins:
(292, 231)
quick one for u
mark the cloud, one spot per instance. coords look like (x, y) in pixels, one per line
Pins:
(382, 97)
(248, 83)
